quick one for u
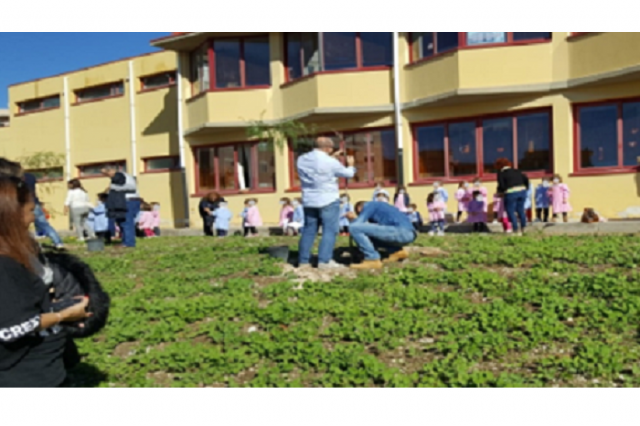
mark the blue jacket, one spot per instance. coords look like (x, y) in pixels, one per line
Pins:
(383, 214)
(98, 218)
(415, 217)
(223, 217)
(344, 209)
(543, 201)
(445, 195)
(298, 215)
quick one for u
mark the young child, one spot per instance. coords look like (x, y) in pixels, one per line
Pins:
(379, 190)
(286, 213)
(437, 187)
(252, 218)
(436, 207)
(145, 220)
(543, 200)
(401, 199)
(155, 211)
(528, 204)
(463, 196)
(98, 219)
(477, 186)
(477, 210)
(345, 208)
(222, 218)
(297, 222)
(559, 195)
(415, 217)
(500, 214)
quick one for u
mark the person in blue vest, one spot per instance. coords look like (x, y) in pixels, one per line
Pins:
(123, 203)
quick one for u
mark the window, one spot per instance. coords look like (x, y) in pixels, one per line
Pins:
(159, 164)
(374, 152)
(609, 136)
(39, 104)
(309, 53)
(469, 148)
(159, 80)
(426, 45)
(242, 62)
(233, 168)
(100, 92)
(53, 173)
(199, 66)
(94, 170)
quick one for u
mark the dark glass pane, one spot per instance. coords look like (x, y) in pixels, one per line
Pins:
(53, 102)
(339, 51)
(383, 149)
(599, 136)
(158, 80)
(356, 145)
(377, 49)
(430, 152)
(534, 142)
(206, 174)
(227, 168)
(485, 38)
(497, 142)
(294, 58)
(31, 105)
(162, 163)
(117, 89)
(631, 132)
(266, 165)
(310, 53)
(462, 149)
(256, 62)
(531, 36)
(446, 41)
(426, 45)
(95, 93)
(227, 60)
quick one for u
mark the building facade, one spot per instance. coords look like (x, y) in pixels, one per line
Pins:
(553, 103)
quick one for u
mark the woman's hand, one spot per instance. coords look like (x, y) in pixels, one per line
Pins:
(66, 210)
(76, 312)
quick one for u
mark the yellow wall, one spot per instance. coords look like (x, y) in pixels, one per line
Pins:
(598, 53)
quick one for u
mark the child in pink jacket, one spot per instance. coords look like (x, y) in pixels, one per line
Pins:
(436, 207)
(155, 211)
(286, 213)
(463, 195)
(146, 220)
(559, 194)
(477, 212)
(252, 218)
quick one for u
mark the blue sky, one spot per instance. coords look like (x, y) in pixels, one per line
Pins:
(28, 56)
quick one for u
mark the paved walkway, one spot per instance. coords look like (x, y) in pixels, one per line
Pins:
(606, 228)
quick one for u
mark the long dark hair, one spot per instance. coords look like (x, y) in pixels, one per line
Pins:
(75, 184)
(15, 241)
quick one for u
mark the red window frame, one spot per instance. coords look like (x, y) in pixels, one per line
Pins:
(212, 66)
(463, 45)
(345, 183)
(359, 60)
(253, 187)
(116, 90)
(175, 167)
(448, 178)
(42, 107)
(590, 171)
(121, 164)
(170, 74)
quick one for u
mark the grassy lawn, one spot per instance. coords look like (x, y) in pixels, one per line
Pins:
(467, 311)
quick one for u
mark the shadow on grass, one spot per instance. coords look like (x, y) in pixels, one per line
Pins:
(85, 376)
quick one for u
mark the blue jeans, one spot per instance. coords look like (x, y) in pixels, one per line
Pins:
(42, 224)
(437, 226)
(514, 203)
(370, 237)
(329, 217)
(128, 226)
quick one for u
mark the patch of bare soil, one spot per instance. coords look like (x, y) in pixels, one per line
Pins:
(125, 350)
(427, 251)
(409, 358)
(316, 275)
(161, 378)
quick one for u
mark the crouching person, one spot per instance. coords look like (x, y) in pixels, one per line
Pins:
(376, 225)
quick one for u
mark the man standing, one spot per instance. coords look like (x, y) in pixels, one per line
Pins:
(123, 203)
(41, 223)
(319, 171)
(378, 225)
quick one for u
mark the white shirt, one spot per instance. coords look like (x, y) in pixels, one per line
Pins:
(77, 198)
(319, 173)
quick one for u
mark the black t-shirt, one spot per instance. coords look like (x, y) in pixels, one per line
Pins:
(28, 358)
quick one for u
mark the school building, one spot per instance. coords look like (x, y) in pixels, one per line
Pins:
(413, 108)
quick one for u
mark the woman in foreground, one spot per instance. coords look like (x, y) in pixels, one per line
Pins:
(31, 342)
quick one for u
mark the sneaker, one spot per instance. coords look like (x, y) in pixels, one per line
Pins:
(398, 256)
(331, 265)
(441, 234)
(368, 264)
(431, 233)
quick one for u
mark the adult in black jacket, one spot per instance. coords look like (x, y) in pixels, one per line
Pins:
(32, 343)
(513, 184)
(208, 205)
